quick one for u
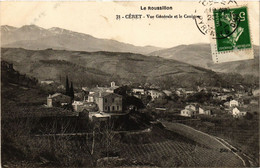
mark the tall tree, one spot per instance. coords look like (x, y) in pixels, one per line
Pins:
(71, 91)
(67, 86)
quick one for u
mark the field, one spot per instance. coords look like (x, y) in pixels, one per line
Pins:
(242, 133)
(170, 149)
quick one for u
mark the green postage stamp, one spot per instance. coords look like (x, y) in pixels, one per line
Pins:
(230, 34)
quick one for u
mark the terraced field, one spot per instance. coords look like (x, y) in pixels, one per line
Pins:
(172, 149)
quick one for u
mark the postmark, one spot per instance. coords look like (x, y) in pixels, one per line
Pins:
(206, 12)
(230, 34)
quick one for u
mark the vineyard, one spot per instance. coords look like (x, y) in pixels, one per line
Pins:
(202, 139)
(176, 150)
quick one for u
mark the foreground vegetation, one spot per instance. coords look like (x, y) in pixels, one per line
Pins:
(154, 147)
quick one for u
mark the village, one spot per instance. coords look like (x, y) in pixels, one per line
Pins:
(106, 121)
(103, 102)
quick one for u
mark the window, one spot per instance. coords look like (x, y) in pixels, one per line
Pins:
(113, 100)
(105, 107)
(117, 107)
(108, 108)
(105, 100)
(113, 108)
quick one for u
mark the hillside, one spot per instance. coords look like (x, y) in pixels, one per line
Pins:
(90, 68)
(200, 55)
(37, 38)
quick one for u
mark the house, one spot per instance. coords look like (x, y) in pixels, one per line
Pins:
(233, 103)
(110, 89)
(180, 92)
(58, 99)
(139, 91)
(99, 116)
(80, 106)
(155, 93)
(191, 107)
(238, 112)
(108, 102)
(189, 92)
(46, 82)
(205, 111)
(225, 90)
(201, 89)
(91, 96)
(189, 110)
(256, 92)
(76, 105)
(227, 104)
(188, 113)
(223, 97)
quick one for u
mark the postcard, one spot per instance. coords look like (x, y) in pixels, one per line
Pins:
(130, 83)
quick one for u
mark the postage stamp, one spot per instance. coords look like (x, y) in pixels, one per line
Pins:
(230, 34)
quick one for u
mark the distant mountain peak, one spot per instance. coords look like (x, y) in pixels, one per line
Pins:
(31, 27)
(7, 28)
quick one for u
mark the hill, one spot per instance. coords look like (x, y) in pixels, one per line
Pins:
(37, 38)
(200, 55)
(91, 68)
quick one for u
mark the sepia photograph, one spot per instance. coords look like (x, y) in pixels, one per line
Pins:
(130, 83)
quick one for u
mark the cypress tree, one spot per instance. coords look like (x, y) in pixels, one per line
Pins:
(67, 86)
(71, 91)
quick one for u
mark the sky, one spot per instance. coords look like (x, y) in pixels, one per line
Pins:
(99, 20)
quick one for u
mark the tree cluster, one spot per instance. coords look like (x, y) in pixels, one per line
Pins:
(69, 88)
(10, 75)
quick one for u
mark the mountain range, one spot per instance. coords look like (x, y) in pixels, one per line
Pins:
(33, 37)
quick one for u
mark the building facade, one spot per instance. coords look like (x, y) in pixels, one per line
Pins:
(233, 103)
(205, 111)
(109, 102)
(80, 106)
(188, 113)
(155, 94)
(140, 91)
(236, 113)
